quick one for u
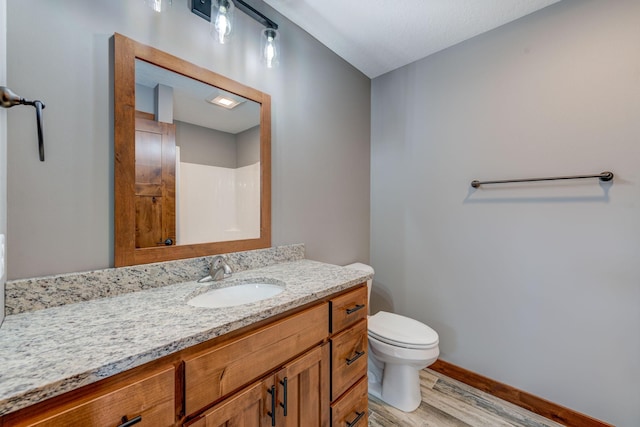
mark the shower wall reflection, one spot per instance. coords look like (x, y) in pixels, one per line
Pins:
(201, 189)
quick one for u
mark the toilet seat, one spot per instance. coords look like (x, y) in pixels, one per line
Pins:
(403, 344)
(401, 331)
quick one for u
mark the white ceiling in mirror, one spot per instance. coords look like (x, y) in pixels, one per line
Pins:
(377, 36)
(191, 100)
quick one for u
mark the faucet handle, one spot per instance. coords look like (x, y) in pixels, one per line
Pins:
(217, 262)
(219, 268)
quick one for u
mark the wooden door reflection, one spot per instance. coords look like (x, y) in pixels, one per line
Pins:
(155, 183)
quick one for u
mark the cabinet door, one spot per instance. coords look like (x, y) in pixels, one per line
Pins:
(303, 390)
(250, 407)
(155, 183)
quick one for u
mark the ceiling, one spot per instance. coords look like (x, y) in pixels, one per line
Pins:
(190, 100)
(377, 36)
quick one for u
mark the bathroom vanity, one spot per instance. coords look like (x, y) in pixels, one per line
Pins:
(297, 359)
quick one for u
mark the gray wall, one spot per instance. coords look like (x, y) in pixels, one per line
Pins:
(3, 154)
(206, 146)
(60, 213)
(534, 285)
(145, 99)
(248, 146)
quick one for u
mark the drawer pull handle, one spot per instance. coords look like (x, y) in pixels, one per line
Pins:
(125, 422)
(272, 414)
(357, 356)
(284, 403)
(354, 309)
(355, 421)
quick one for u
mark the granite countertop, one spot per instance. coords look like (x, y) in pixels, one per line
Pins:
(48, 352)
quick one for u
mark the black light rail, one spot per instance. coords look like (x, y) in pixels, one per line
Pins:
(604, 176)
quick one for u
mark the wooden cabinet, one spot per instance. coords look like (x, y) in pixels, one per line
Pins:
(349, 349)
(295, 396)
(216, 372)
(305, 369)
(148, 398)
(304, 392)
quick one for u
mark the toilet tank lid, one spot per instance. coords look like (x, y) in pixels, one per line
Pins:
(401, 329)
(360, 267)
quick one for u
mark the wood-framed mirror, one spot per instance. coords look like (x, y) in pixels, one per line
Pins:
(191, 178)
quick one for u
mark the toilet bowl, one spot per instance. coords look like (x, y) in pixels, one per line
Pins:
(399, 347)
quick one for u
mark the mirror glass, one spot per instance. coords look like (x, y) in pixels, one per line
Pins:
(212, 140)
(192, 159)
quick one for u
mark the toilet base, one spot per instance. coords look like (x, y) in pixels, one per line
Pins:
(394, 373)
(375, 389)
(401, 387)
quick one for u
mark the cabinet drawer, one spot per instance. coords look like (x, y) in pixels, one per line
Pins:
(150, 397)
(214, 373)
(348, 308)
(351, 410)
(348, 358)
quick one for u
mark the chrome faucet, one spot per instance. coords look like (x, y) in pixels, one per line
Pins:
(219, 270)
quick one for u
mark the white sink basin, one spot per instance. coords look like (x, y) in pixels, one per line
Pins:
(235, 295)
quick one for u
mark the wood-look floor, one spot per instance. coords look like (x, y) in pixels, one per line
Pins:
(447, 402)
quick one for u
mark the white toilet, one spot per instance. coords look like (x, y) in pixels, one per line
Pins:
(399, 347)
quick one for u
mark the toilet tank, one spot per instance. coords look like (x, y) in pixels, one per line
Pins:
(366, 269)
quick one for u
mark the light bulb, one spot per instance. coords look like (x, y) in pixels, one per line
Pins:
(223, 22)
(270, 47)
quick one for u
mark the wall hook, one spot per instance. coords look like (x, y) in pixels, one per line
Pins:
(9, 99)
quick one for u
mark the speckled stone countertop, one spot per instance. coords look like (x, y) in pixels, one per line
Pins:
(47, 352)
(45, 292)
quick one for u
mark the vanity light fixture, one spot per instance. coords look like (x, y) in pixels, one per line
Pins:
(269, 47)
(222, 24)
